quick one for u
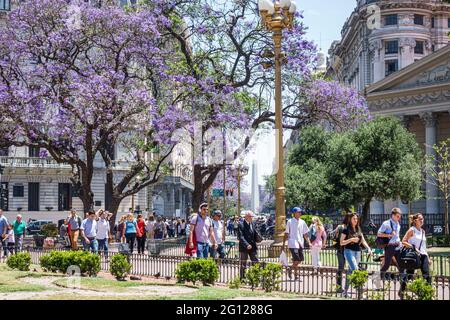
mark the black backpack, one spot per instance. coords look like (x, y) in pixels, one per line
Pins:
(382, 243)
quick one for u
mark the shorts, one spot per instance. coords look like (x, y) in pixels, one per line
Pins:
(297, 254)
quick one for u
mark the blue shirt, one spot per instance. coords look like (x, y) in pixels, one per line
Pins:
(90, 228)
(130, 227)
(3, 225)
(386, 228)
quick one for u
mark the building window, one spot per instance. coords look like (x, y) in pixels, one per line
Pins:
(418, 49)
(391, 66)
(448, 23)
(5, 5)
(18, 191)
(418, 19)
(432, 22)
(33, 152)
(391, 20)
(433, 48)
(4, 152)
(391, 47)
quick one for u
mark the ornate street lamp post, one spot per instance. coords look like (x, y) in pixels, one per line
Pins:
(444, 184)
(277, 16)
(241, 172)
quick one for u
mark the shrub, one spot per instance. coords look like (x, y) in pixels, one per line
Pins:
(253, 276)
(204, 270)
(89, 263)
(49, 230)
(235, 283)
(120, 266)
(420, 289)
(20, 261)
(358, 279)
(270, 276)
(308, 219)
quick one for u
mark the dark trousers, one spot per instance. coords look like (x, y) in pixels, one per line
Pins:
(389, 253)
(141, 243)
(130, 237)
(424, 267)
(341, 267)
(243, 257)
(4, 246)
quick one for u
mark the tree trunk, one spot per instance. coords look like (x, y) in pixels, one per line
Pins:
(365, 212)
(87, 197)
(446, 227)
(114, 208)
(198, 193)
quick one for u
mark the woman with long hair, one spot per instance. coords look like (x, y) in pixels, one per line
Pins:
(130, 231)
(318, 243)
(121, 228)
(415, 238)
(141, 236)
(340, 250)
(351, 239)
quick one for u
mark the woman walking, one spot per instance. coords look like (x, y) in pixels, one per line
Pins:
(415, 238)
(318, 242)
(141, 236)
(130, 231)
(340, 251)
(352, 239)
(120, 228)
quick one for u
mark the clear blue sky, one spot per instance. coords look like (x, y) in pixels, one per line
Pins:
(324, 19)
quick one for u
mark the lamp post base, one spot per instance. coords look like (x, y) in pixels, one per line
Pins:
(275, 247)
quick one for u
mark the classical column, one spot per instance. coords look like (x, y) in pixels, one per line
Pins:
(407, 46)
(180, 193)
(375, 48)
(430, 140)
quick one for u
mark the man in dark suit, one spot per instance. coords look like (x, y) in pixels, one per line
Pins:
(248, 237)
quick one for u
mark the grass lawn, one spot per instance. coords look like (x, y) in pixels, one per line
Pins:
(10, 280)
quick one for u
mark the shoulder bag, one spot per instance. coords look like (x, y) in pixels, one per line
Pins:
(382, 243)
(410, 258)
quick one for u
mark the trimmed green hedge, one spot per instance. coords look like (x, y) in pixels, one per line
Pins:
(60, 261)
(20, 261)
(204, 270)
(119, 266)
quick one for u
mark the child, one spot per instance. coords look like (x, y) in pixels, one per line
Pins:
(11, 242)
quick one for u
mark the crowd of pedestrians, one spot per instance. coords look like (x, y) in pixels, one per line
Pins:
(12, 234)
(206, 234)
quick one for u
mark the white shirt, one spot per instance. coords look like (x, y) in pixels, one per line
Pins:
(149, 226)
(102, 229)
(296, 229)
(218, 231)
(417, 238)
(11, 236)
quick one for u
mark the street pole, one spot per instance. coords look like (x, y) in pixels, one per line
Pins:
(224, 193)
(280, 213)
(277, 16)
(239, 191)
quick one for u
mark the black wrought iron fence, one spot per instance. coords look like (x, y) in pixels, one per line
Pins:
(309, 282)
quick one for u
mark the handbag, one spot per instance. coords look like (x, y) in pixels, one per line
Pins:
(187, 249)
(410, 258)
(382, 243)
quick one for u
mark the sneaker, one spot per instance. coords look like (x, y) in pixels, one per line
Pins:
(340, 290)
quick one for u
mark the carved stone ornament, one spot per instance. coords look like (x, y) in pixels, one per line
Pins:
(428, 118)
(407, 42)
(375, 46)
(410, 100)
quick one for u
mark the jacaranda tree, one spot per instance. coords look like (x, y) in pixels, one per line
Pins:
(222, 43)
(77, 79)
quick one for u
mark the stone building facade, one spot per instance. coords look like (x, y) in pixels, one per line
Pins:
(382, 37)
(40, 187)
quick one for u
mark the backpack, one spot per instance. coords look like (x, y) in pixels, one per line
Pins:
(312, 233)
(382, 243)
(158, 229)
(336, 237)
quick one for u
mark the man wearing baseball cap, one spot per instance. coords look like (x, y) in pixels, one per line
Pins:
(296, 232)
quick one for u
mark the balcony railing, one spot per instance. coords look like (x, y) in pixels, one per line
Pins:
(26, 162)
